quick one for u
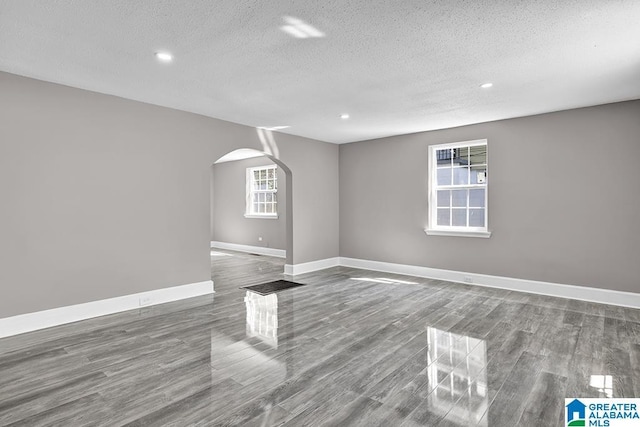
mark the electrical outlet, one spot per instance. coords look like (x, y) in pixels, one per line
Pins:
(260, 239)
(145, 300)
(468, 279)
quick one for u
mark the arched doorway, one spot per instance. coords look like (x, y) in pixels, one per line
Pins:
(251, 203)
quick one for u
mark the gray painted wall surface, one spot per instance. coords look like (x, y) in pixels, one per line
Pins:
(558, 199)
(103, 196)
(229, 204)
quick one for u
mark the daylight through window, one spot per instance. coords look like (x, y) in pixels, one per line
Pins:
(458, 189)
(262, 188)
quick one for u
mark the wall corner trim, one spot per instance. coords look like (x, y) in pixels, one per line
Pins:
(260, 250)
(583, 293)
(62, 315)
(308, 267)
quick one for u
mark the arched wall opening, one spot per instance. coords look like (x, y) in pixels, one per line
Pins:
(228, 192)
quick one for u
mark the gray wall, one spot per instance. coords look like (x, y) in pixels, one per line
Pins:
(559, 205)
(229, 203)
(103, 196)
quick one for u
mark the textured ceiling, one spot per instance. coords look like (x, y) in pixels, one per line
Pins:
(395, 67)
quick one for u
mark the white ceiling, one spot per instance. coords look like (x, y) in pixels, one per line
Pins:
(395, 66)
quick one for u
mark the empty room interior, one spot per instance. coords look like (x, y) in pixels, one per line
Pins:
(240, 213)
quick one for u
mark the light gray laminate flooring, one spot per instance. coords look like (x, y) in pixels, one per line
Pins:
(351, 347)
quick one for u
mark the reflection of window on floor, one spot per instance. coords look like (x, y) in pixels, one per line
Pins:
(602, 383)
(262, 317)
(458, 367)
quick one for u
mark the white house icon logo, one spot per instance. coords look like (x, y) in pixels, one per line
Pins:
(576, 413)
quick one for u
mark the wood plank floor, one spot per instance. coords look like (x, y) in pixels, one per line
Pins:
(351, 347)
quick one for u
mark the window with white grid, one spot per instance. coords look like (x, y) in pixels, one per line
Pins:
(458, 189)
(262, 188)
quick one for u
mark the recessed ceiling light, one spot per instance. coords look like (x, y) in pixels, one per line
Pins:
(486, 85)
(164, 56)
(344, 116)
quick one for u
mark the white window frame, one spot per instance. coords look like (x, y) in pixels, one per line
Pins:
(251, 190)
(433, 229)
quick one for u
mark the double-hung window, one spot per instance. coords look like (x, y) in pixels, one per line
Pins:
(262, 189)
(458, 189)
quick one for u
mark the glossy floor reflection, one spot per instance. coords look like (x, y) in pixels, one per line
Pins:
(352, 347)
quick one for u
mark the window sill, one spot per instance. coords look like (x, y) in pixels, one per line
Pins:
(261, 216)
(455, 233)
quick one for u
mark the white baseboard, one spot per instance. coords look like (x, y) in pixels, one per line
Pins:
(308, 267)
(59, 316)
(278, 253)
(583, 293)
